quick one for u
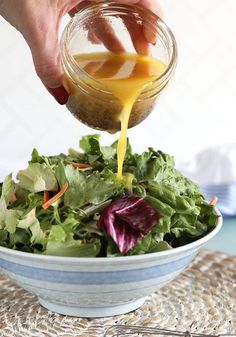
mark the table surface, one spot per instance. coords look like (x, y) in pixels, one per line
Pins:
(202, 299)
(225, 240)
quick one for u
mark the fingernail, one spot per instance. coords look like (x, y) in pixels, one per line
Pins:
(143, 48)
(150, 36)
(60, 94)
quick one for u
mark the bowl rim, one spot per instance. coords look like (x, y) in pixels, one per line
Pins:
(118, 259)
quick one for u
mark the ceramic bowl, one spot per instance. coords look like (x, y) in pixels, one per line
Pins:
(98, 287)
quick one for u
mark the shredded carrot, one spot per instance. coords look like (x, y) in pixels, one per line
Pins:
(80, 165)
(45, 196)
(213, 201)
(56, 196)
(144, 185)
(13, 197)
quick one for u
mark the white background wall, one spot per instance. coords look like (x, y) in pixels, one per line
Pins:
(198, 109)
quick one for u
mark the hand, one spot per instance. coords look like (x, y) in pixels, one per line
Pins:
(39, 21)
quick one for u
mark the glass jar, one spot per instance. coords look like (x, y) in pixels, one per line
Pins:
(90, 100)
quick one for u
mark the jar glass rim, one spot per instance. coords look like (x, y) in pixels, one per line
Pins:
(161, 26)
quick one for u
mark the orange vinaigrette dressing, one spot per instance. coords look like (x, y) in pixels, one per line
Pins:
(125, 75)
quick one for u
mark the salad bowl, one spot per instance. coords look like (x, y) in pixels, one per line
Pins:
(91, 245)
(98, 287)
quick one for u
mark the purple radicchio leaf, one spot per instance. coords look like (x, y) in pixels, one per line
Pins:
(127, 220)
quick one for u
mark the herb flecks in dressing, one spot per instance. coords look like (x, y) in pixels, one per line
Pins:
(125, 75)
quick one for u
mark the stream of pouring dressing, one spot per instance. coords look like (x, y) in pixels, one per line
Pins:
(125, 75)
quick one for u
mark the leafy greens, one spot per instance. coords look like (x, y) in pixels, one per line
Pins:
(88, 212)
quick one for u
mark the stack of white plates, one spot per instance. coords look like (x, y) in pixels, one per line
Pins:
(226, 194)
(214, 169)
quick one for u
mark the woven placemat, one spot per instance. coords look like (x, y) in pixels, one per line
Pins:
(202, 299)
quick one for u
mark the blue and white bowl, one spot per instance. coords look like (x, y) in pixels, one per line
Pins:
(226, 194)
(98, 287)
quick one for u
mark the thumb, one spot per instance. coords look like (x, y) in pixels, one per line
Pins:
(43, 43)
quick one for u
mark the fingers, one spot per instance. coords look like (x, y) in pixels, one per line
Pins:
(47, 64)
(148, 32)
(78, 6)
(145, 34)
(152, 5)
(102, 31)
(136, 34)
(38, 21)
(43, 43)
(93, 38)
(45, 53)
(91, 35)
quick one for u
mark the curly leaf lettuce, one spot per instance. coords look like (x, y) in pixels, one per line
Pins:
(37, 178)
(94, 215)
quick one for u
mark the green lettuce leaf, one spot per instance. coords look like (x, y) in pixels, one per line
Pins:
(3, 237)
(188, 225)
(85, 189)
(70, 226)
(11, 220)
(30, 223)
(19, 240)
(8, 188)
(73, 248)
(90, 144)
(37, 177)
(149, 245)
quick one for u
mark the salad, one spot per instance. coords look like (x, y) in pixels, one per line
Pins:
(73, 205)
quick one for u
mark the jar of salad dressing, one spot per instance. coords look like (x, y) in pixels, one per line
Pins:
(111, 86)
